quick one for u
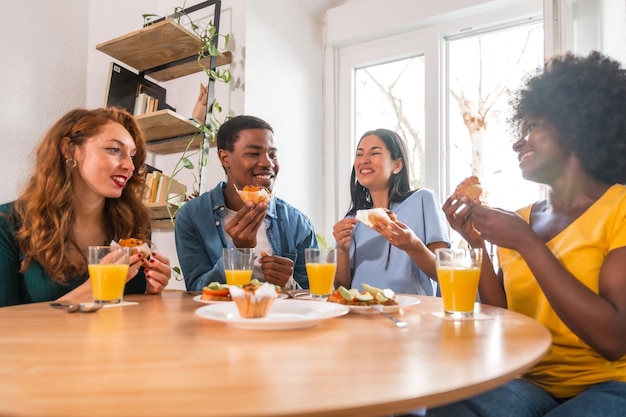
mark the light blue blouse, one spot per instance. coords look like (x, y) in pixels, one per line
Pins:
(422, 212)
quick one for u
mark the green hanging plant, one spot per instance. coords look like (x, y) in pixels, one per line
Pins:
(210, 123)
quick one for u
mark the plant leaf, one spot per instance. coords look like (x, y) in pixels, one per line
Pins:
(322, 241)
(187, 163)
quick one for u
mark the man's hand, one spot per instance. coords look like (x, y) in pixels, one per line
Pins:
(244, 226)
(276, 269)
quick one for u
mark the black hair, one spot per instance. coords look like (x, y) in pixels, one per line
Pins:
(400, 186)
(585, 99)
(228, 132)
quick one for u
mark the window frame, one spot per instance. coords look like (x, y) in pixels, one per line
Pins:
(340, 64)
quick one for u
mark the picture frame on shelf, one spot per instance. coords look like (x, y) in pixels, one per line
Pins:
(125, 86)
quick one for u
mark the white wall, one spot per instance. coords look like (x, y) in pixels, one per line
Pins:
(378, 20)
(42, 76)
(284, 86)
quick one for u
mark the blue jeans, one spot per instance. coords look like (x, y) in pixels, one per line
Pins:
(520, 398)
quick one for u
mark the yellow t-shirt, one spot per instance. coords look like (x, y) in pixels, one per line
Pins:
(571, 365)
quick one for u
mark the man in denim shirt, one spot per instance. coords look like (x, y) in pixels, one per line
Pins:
(219, 218)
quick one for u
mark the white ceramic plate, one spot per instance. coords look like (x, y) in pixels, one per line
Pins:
(283, 315)
(199, 299)
(403, 300)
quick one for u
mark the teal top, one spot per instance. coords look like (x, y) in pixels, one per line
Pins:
(35, 285)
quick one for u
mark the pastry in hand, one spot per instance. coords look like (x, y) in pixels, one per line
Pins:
(255, 193)
(470, 187)
(376, 215)
(135, 245)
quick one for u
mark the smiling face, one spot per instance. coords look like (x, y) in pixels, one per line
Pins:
(104, 163)
(541, 157)
(373, 164)
(253, 161)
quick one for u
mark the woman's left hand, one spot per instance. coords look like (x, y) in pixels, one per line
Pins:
(157, 271)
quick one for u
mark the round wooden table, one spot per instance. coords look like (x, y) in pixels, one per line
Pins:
(158, 358)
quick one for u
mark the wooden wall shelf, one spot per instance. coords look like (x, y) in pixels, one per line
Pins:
(159, 44)
(161, 217)
(168, 132)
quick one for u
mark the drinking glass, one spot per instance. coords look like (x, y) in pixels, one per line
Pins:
(321, 266)
(238, 265)
(108, 268)
(458, 272)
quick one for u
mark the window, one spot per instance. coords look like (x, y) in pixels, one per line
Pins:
(413, 83)
(391, 96)
(483, 68)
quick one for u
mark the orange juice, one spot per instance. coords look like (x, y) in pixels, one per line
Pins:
(458, 288)
(321, 277)
(107, 281)
(238, 276)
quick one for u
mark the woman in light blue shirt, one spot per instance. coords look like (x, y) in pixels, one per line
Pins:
(399, 256)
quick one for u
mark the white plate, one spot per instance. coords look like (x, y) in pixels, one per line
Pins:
(404, 300)
(283, 315)
(199, 299)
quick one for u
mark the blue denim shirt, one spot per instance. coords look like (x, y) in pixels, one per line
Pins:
(199, 235)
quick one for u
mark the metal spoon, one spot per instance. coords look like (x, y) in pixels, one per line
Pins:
(399, 323)
(82, 307)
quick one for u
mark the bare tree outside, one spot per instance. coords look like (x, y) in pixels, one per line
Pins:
(483, 70)
(391, 96)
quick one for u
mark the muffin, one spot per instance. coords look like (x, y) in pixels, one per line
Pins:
(253, 301)
(135, 245)
(255, 193)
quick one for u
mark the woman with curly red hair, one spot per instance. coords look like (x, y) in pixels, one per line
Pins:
(86, 190)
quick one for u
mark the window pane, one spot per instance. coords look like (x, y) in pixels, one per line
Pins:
(391, 96)
(482, 71)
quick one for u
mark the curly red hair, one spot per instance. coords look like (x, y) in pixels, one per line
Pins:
(44, 212)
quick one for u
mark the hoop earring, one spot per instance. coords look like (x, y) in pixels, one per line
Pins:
(71, 163)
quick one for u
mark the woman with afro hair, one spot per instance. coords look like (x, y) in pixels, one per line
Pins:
(562, 261)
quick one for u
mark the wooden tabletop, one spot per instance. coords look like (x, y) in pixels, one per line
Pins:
(158, 358)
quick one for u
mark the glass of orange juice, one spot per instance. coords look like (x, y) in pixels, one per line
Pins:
(238, 265)
(321, 266)
(108, 268)
(458, 272)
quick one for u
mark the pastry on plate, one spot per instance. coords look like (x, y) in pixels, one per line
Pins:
(252, 300)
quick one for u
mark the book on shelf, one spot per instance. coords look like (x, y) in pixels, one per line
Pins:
(152, 184)
(161, 187)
